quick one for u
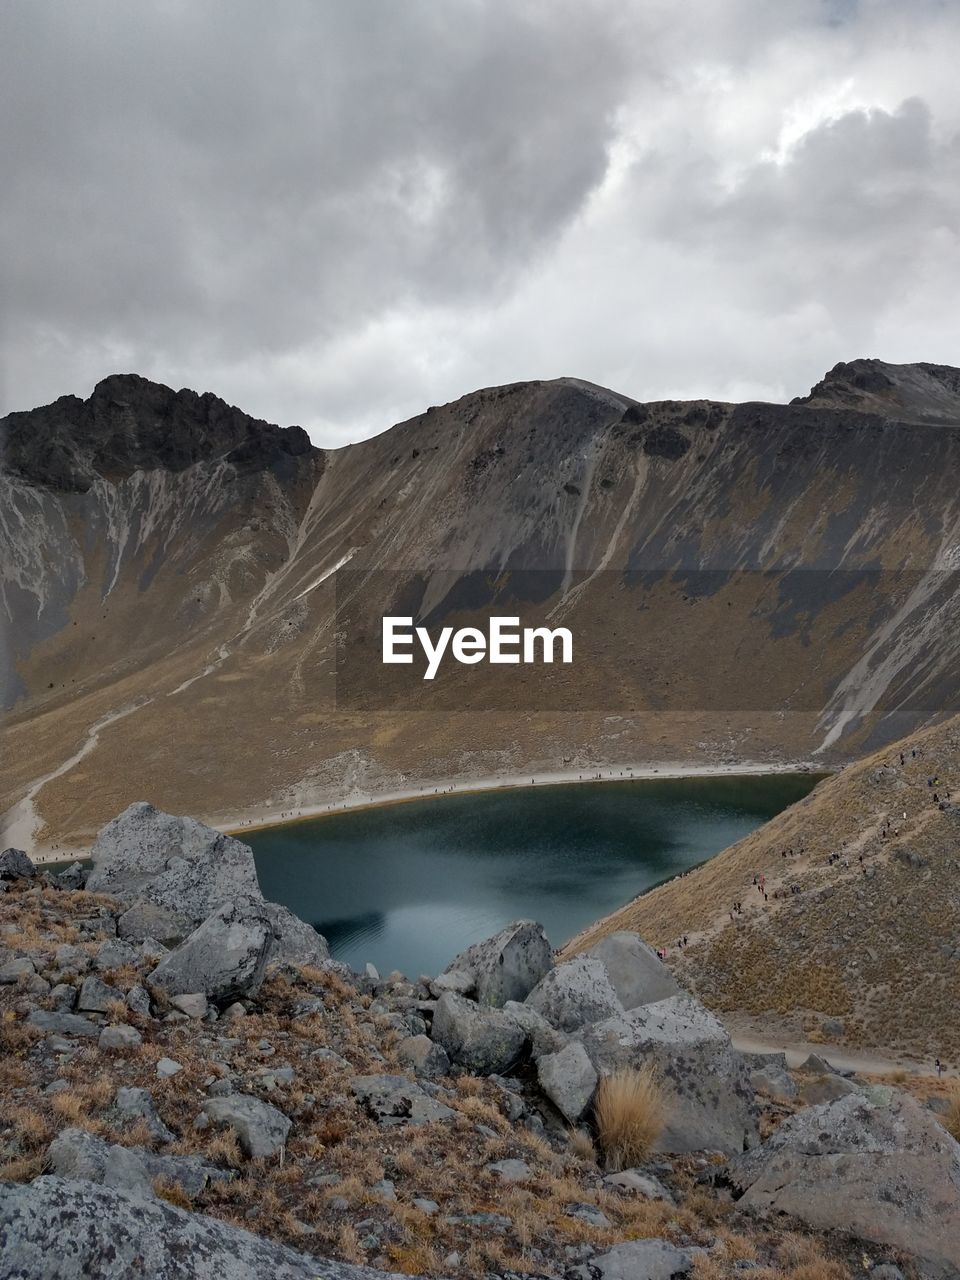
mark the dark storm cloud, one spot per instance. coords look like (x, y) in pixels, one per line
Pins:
(339, 212)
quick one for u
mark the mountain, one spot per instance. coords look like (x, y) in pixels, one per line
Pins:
(857, 942)
(192, 597)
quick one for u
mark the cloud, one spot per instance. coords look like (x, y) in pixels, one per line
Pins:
(338, 214)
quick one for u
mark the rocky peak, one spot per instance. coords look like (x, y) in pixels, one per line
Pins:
(923, 393)
(130, 423)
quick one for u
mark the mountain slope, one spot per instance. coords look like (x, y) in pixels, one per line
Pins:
(860, 928)
(743, 581)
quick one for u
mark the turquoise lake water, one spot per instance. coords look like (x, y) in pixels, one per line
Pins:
(408, 886)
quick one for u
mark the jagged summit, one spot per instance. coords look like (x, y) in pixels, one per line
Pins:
(921, 393)
(129, 423)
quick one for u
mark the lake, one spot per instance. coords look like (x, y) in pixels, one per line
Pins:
(408, 886)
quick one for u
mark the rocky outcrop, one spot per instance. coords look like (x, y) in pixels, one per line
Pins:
(15, 865)
(636, 972)
(224, 959)
(708, 1095)
(74, 1153)
(880, 1166)
(574, 994)
(505, 967)
(57, 1229)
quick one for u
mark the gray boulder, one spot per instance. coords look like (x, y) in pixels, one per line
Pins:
(15, 971)
(114, 954)
(485, 1041)
(542, 1036)
(294, 941)
(176, 863)
(96, 996)
(15, 865)
(876, 1165)
(133, 1104)
(575, 994)
(225, 958)
(55, 1229)
(708, 1098)
(423, 1056)
(119, 1037)
(507, 966)
(773, 1081)
(638, 1260)
(72, 877)
(826, 1089)
(74, 1153)
(149, 920)
(394, 1100)
(62, 1024)
(636, 972)
(569, 1079)
(260, 1128)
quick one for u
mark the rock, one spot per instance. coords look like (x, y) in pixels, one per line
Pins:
(834, 1028)
(261, 1129)
(510, 1170)
(709, 1102)
(138, 1001)
(15, 865)
(423, 1056)
(64, 997)
(875, 1165)
(588, 1213)
(569, 1079)
(175, 863)
(542, 1037)
(15, 971)
(482, 1040)
(167, 1067)
(826, 1089)
(886, 1271)
(294, 941)
(394, 1100)
(149, 920)
(225, 957)
(72, 960)
(507, 966)
(371, 972)
(55, 1229)
(62, 1024)
(97, 996)
(72, 877)
(774, 1082)
(134, 1104)
(636, 1182)
(119, 1037)
(817, 1066)
(116, 954)
(74, 1153)
(636, 972)
(637, 1260)
(194, 1005)
(460, 983)
(574, 994)
(429, 1207)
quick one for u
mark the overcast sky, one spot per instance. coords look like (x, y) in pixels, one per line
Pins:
(338, 212)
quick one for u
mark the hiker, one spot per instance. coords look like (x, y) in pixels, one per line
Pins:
(939, 1066)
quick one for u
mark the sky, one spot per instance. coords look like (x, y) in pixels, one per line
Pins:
(338, 212)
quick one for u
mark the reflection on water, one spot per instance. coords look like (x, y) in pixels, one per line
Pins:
(410, 885)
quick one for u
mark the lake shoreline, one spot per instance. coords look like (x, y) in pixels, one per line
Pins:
(270, 817)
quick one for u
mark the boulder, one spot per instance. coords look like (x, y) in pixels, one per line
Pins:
(394, 1100)
(775, 1082)
(132, 1105)
(826, 1089)
(225, 958)
(75, 1153)
(62, 1024)
(176, 863)
(482, 1040)
(505, 967)
(709, 1101)
(96, 996)
(57, 1229)
(294, 941)
(636, 972)
(15, 971)
(119, 1037)
(569, 1079)
(637, 1260)
(873, 1164)
(260, 1128)
(575, 994)
(114, 954)
(148, 920)
(422, 1056)
(72, 877)
(543, 1038)
(15, 865)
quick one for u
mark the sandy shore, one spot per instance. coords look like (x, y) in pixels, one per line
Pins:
(264, 816)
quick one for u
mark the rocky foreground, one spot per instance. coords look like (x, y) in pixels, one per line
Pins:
(189, 1086)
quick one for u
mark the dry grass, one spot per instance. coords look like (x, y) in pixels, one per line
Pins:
(630, 1112)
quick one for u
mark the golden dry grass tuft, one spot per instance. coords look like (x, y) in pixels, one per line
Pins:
(630, 1113)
